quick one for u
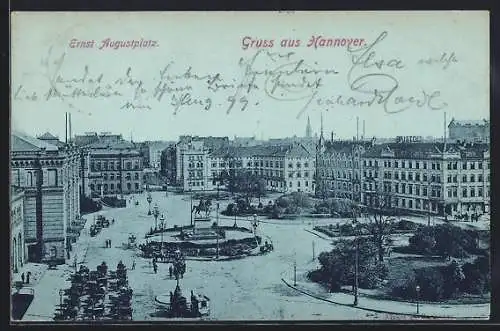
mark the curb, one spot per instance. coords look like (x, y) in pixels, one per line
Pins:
(376, 310)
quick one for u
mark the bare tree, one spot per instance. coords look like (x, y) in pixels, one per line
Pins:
(380, 212)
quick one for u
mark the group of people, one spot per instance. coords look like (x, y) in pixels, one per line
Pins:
(108, 243)
(26, 279)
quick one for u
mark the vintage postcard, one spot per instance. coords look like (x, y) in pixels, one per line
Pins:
(250, 166)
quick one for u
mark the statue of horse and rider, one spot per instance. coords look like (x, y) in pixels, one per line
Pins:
(203, 206)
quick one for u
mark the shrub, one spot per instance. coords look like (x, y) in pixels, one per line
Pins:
(405, 225)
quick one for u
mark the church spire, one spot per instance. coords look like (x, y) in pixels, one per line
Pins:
(308, 128)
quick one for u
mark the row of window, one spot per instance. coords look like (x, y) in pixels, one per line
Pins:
(128, 176)
(111, 187)
(337, 163)
(471, 192)
(112, 165)
(424, 177)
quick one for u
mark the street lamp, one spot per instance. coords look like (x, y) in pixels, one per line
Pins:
(162, 219)
(156, 213)
(418, 296)
(356, 263)
(149, 199)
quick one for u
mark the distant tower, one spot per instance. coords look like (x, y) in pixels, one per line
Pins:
(308, 128)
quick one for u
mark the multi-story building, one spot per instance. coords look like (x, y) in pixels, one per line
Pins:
(339, 166)
(478, 131)
(431, 177)
(17, 245)
(115, 169)
(285, 168)
(169, 164)
(50, 178)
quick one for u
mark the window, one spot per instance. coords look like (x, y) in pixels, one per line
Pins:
(472, 178)
(449, 165)
(449, 179)
(136, 186)
(449, 193)
(480, 165)
(52, 177)
(105, 187)
(417, 176)
(464, 178)
(112, 187)
(438, 166)
(306, 174)
(472, 192)
(433, 166)
(129, 186)
(455, 179)
(306, 165)
(425, 165)
(395, 164)
(214, 164)
(479, 178)
(480, 192)
(298, 184)
(417, 165)
(290, 175)
(298, 165)
(111, 176)
(92, 187)
(136, 176)
(424, 191)
(128, 165)
(464, 192)
(464, 165)
(473, 165)
(127, 176)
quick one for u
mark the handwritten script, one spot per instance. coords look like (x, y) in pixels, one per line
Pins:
(371, 80)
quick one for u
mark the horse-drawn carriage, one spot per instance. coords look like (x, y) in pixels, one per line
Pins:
(102, 221)
(176, 305)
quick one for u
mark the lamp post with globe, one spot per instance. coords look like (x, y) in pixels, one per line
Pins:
(149, 199)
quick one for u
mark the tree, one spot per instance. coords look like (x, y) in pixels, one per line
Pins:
(380, 213)
(245, 182)
(337, 266)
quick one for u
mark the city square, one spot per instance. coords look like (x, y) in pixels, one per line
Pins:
(340, 177)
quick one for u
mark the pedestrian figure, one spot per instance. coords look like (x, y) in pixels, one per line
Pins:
(109, 243)
(28, 275)
(22, 277)
(113, 221)
(133, 265)
(170, 272)
(106, 243)
(155, 267)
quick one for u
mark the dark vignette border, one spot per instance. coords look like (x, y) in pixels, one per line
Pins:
(150, 5)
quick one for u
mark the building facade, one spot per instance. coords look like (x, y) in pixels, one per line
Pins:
(339, 169)
(433, 178)
(17, 246)
(284, 168)
(50, 178)
(115, 171)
